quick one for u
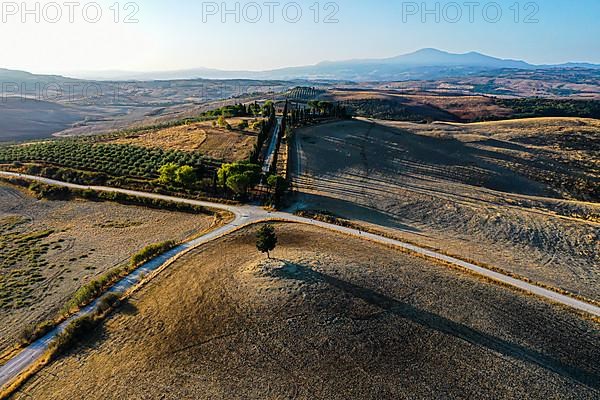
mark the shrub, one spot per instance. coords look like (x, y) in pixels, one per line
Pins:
(173, 174)
(74, 333)
(185, 175)
(239, 176)
(32, 333)
(49, 192)
(168, 173)
(108, 302)
(92, 290)
(222, 122)
(151, 251)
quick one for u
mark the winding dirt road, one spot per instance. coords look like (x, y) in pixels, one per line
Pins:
(246, 215)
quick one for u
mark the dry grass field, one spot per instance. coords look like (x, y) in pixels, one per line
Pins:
(48, 250)
(331, 317)
(391, 105)
(505, 194)
(214, 142)
(550, 83)
(561, 153)
(434, 106)
(467, 108)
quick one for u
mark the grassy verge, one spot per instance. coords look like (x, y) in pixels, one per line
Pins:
(89, 292)
(53, 192)
(93, 289)
(14, 386)
(87, 178)
(75, 333)
(80, 329)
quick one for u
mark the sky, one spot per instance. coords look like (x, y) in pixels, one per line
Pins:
(158, 35)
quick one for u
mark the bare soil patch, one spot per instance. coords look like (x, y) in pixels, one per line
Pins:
(48, 250)
(331, 318)
(214, 142)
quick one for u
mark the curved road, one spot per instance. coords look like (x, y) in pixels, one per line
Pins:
(248, 215)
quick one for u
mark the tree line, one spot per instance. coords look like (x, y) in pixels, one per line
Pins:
(316, 110)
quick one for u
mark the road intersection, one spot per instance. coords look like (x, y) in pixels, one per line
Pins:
(247, 215)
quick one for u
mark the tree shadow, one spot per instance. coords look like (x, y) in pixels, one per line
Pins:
(443, 325)
(127, 308)
(348, 210)
(92, 339)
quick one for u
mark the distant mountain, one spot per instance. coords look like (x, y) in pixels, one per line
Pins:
(422, 64)
(195, 73)
(13, 76)
(576, 65)
(425, 64)
(433, 57)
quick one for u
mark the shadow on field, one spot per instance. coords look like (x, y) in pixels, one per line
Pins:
(394, 151)
(441, 324)
(127, 308)
(90, 340)
(345, 209)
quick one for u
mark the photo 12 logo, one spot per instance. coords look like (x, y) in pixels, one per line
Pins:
(70, 12)
(271, 12)
(70, 91)
(67, 91)
(471, 12)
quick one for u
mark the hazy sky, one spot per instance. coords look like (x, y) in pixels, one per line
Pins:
(178, 35)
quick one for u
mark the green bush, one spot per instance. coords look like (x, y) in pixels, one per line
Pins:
(108, 302)
(87, 293)
(32, 333)
(49, 192)
(239, 176)
(74, 333)
(151, 251)
(167, 173)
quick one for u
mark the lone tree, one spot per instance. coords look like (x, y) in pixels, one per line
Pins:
(266, 239)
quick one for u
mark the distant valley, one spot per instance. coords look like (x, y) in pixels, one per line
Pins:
(39, 106)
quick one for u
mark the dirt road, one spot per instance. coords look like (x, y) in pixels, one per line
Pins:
(467, 191)
(248, 215)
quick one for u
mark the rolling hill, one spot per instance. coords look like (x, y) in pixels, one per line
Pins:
(422, 64)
